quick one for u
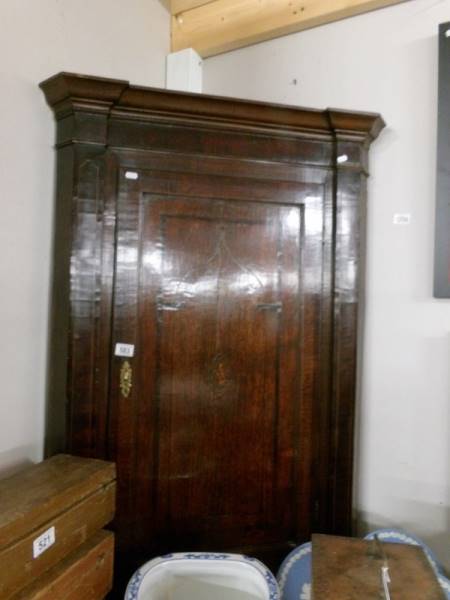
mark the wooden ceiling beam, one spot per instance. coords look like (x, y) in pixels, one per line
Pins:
(179, 6)
(222, 25)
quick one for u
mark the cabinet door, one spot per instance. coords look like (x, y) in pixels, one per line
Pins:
(216, 286)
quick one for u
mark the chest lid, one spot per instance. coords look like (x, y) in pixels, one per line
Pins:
(350, 569)
(36, 495)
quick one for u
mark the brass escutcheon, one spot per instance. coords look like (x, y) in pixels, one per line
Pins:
(126, 376)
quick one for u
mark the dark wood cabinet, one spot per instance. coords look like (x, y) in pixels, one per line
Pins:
(223, 241)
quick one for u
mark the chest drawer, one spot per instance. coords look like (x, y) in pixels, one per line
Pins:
(47, 512)
(86, 574)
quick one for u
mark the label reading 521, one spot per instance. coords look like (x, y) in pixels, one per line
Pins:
(43, 542)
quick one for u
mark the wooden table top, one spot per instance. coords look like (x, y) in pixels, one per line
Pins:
(351, 569)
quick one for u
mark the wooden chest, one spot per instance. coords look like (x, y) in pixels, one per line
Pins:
(351, 569)
(49, 511)
(86, 574)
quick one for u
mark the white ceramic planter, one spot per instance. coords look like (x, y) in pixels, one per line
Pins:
(202, 576)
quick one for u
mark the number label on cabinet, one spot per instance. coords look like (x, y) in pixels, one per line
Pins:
(124, 350)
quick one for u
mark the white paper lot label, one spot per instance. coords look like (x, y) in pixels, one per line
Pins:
(43, 542)
(124, 350)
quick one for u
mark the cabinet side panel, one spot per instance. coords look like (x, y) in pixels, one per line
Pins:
(91, 266)
(55, 439)
(349, 260)
(80, 312)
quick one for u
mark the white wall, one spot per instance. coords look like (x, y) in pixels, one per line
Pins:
(38, 38)
(385, 61)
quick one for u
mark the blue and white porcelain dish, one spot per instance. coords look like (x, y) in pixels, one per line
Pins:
(202, 576)
(294, 575)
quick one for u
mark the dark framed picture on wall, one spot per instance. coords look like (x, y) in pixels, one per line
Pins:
(442, 227)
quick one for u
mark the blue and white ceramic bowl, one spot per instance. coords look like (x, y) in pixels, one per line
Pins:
(202, 576)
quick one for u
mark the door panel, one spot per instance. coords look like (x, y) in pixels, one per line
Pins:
(214, 305)
(215, 437)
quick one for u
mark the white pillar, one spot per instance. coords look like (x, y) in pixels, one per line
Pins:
(184, 71)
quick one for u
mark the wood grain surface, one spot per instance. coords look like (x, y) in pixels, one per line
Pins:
(86, 574)
(224, 240)
(74, 496)
(350, 569)
(37, 494)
